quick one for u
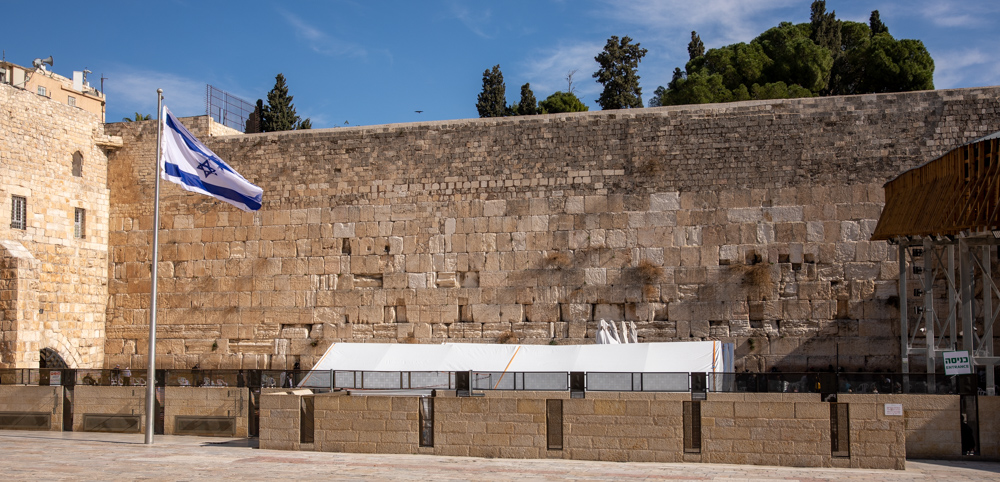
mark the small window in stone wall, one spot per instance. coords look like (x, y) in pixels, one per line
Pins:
(426, 422)
(80, 223)
(70, 100)
(554, 424)
(43, 91)
(307, 420)
(18, 212)
(692, 427)
(840, 430)
(77, 164)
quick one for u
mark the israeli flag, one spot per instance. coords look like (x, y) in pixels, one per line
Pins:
(187, 162)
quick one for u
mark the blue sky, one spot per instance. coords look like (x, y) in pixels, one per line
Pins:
(377, 62)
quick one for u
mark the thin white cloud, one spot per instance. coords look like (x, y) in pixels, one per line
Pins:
(965, 68)
(548, 69)
(724, 21)
(320, 42)
(475, 20)
(132, 91)
(949, 13)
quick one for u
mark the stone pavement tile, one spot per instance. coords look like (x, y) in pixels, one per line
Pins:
(99, 456)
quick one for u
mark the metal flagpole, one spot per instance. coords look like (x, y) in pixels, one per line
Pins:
(151, 368)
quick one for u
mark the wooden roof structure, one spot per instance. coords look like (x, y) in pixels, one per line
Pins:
(955, 194)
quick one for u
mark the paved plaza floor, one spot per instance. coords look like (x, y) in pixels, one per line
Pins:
(98, 456)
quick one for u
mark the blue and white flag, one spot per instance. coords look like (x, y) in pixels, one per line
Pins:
(186, 161)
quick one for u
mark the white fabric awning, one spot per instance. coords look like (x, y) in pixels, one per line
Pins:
(695, 356)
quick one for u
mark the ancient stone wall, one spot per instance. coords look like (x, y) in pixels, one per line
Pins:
(62, 277)
(745, 222)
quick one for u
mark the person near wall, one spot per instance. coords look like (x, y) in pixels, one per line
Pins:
(968, 437)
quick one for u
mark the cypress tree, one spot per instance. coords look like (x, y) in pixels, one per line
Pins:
(876, 25)
(492, 101)
(696, 48)
(619, 63)
(279, 115)
(528, 104)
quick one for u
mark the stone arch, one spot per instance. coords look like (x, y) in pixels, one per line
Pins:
(49, 358)
(18, 306)
(61, 345)
(77, 164)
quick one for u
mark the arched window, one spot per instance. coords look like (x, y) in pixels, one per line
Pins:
(51, 359)
(77, 164)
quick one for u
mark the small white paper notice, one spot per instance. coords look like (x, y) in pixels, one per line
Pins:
(894, 409)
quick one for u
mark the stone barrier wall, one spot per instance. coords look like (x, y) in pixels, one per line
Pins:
(280, 419)
(34, 399)
(53, 283)
(933, 423)
(221, 402)
(989, 427)
(745, 222)
(761, 429)
(98, 400)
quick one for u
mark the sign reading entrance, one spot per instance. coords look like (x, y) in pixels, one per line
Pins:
(957, 363)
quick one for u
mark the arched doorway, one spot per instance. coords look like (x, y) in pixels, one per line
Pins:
(49, 363)
(51, 359)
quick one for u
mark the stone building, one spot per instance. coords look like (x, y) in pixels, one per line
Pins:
(746, 222)
(53, 231)
(75, 92)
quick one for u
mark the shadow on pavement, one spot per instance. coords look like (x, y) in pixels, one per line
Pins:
(983, 465)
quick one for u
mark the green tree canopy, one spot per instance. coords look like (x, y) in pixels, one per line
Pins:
(618, 64)
(492, 101)
(562, 102)
(279, 113)
(138, 117)
(823, 57)
(795, 58)
(528, 105)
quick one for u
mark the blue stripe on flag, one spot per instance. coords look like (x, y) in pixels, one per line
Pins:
(194, 181)
(196, 148)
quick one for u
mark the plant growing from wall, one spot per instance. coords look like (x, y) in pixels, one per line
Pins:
(507, 338)
(755, 277)
(558, 260)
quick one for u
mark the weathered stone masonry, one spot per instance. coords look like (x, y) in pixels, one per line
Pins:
(53, 284)
(746, 222)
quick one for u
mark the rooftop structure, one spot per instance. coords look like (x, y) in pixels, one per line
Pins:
(76, 91)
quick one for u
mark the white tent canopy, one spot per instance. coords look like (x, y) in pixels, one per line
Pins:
(696, 356)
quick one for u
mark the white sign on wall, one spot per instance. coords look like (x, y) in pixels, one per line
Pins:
(957, 363)
(894, 409)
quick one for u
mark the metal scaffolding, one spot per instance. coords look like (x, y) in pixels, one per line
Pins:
(954, 302)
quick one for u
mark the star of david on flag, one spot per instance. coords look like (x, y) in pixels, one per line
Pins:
(187, 162)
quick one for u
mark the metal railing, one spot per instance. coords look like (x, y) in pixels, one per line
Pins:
(226, 108)
(369, 380)
(771, 382)
(638, 382)
(534, 381)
